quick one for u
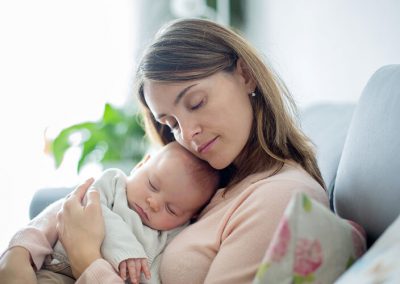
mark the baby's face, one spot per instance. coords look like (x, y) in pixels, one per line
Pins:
(163, 193)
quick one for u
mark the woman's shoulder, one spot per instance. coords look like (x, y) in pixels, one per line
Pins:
(290, 179)
(264, 196)
(264, 190)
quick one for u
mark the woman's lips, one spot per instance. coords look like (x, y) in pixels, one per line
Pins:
(141, 212)
(204, 148)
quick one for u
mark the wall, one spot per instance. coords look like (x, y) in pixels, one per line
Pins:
(325, 50)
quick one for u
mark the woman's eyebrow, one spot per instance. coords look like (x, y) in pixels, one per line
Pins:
(180, 95)
(183, 93)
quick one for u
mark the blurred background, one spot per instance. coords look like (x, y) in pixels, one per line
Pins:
(65, 63)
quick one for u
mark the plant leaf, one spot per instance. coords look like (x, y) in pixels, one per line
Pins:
(111, 114)
(119, 134)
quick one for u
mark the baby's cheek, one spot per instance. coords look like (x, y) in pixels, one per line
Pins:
(172, 222)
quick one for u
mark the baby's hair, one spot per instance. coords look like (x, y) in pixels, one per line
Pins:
(204, 175)
(201, 171)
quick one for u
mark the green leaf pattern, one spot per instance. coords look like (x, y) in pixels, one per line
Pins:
(307, 204)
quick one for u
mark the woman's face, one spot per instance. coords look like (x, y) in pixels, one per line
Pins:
(211, 117)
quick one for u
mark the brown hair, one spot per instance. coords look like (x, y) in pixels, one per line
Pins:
(192, 49)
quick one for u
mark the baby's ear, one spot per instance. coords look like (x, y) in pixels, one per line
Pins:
(193, 219)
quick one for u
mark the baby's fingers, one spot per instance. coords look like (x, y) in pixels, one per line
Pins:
(122, 270)
(145, 268)
(132, 269)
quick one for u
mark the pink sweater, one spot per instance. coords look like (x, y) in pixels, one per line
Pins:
(229, 240)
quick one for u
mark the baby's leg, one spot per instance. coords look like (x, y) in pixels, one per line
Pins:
(49, 277)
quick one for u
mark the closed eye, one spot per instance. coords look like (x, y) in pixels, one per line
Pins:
(174, 128)
(152, 187)
(198, 105)
(172, 124)
(169, 210)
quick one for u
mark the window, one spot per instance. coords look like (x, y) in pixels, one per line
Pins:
(61, 61)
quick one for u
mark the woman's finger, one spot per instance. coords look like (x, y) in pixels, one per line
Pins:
(79, 191)
(93, 199)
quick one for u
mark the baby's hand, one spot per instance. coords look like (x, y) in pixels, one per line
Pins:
(133, 267)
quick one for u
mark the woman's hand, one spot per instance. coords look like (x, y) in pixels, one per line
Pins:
(81, 228)
(15, 267)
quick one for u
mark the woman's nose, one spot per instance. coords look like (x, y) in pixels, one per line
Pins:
(189, 129)
(153, 204)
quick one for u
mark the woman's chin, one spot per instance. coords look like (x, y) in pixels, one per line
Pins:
(219, 164)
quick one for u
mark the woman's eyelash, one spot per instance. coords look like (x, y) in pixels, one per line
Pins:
(174, 127)
(197, 105)
(170, 125)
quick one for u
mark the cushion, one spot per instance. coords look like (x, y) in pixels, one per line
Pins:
(368, 176)
(310, 245)
(381, 264)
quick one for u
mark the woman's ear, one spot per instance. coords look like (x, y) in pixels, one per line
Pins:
(243, 71)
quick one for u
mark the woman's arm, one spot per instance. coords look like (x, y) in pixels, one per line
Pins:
(15, 267)
(81, 231)
(29, 246)
(46, 222)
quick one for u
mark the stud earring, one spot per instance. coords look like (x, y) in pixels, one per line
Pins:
(253, 94)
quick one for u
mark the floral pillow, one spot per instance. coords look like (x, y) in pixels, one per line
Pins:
(310, 245)
(381, 264)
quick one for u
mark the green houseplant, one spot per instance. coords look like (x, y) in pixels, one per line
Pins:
(115, 139)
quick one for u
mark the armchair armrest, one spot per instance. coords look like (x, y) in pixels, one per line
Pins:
(43, 197)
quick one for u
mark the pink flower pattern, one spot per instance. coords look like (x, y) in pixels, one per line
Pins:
(308, 257)
(281, 243)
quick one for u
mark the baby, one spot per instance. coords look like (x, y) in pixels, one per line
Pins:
(144, 211)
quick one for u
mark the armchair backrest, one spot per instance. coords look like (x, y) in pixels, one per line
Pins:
(367, 185)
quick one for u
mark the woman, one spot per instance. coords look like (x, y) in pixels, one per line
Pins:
(205, 87)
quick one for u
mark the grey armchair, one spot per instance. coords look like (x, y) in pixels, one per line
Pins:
(357, 147)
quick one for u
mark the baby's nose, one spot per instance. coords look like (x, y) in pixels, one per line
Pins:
(154, 205)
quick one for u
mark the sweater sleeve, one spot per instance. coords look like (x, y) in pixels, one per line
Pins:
(99, 272)
(120, 243)
(35, 242)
